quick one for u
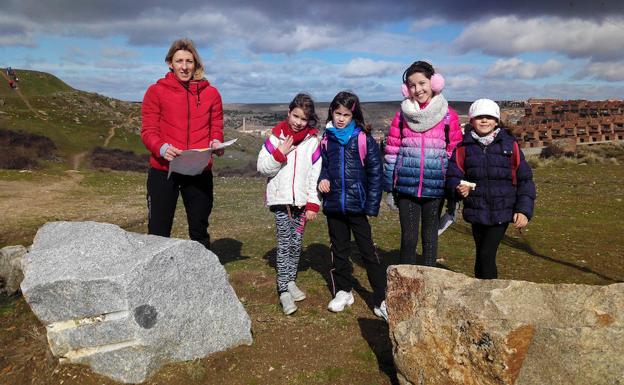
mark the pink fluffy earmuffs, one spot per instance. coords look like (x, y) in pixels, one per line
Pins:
(437, 85)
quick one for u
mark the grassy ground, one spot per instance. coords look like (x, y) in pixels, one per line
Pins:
(575, 237)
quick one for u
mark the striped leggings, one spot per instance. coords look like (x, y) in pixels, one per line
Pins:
(289, 226)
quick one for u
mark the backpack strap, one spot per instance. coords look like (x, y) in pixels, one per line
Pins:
(447, 127)
(514, 160)
(268, 145)
(460, 157)
(316, 155)
(515, 163)
(324, 143)
(362, 147)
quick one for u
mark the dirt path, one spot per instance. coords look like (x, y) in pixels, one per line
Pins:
(111, 133)
(112, 130)
(17, 90)
(77, 160)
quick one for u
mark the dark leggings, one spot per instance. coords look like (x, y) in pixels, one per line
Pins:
(162, 197)
(411, 211)
(340, 227)
(487, 239)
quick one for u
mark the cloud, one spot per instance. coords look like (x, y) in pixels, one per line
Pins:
(515, 68)
(607, 71)
(118, 53)
(74, 54)
(15, 31)
(301, 38)
(510, 36)
(361, 67)
(459, 82)
(321, 11)
(426, 23)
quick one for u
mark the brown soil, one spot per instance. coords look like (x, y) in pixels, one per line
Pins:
(313, 346)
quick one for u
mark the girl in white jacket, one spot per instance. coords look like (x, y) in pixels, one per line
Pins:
(291, 160)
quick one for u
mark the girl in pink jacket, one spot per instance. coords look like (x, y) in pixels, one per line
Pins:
(419, 143)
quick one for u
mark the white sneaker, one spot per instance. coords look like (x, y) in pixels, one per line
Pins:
(295, 292)
(288, 304)
(342, 299)
(446, 220)
(381, 311)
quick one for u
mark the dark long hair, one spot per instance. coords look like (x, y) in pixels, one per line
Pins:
(350, 101)
(418, 66)
(305, 102)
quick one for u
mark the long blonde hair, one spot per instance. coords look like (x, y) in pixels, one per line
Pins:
(187, 45)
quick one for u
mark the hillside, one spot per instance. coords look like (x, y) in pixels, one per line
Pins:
(78, 122)
(38, 84)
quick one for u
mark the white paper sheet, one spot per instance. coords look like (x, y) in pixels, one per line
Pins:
(193, 162)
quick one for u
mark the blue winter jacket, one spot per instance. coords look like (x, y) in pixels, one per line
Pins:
(354, 188)
(495, 199)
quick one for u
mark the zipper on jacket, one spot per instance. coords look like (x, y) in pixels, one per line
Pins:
(188, 120)
(487, 185)
(342, 165)
(422, 165)
(294, 175)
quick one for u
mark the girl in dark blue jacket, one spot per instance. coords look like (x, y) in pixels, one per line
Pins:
(489, 172)
(350, 183)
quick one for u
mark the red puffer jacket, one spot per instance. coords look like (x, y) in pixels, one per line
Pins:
(186, 118)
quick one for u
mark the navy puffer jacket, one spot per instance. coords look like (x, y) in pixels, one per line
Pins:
(495, 199)
(354, 188)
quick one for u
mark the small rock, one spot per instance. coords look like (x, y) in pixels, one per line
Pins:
(11, 268)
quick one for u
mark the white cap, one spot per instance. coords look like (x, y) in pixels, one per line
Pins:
(484, 107)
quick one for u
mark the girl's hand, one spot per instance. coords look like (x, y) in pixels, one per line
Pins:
(324, 186)
(520, 220)
(286, 146)
(171, 153)
(463, 190)
(310, 215)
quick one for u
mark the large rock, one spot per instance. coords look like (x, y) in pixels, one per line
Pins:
(11, 268)
(449, 329)
(126, 303)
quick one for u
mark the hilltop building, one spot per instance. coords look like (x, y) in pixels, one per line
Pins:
(584, 121)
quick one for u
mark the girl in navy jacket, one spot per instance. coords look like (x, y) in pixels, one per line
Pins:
(351, 186)
(497, 189)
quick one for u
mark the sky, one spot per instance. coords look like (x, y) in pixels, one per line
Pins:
(267, 51)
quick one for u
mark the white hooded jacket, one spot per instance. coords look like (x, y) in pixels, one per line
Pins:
(293, 182)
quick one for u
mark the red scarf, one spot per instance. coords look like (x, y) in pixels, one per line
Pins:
(298, 137)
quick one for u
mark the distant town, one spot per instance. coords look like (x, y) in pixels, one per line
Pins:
(535, 122)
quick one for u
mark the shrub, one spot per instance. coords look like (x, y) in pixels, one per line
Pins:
(116, 159)
(22, 150)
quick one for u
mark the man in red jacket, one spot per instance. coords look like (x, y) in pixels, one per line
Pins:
(181, 111)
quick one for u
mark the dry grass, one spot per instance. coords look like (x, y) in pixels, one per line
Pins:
(575, 237)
